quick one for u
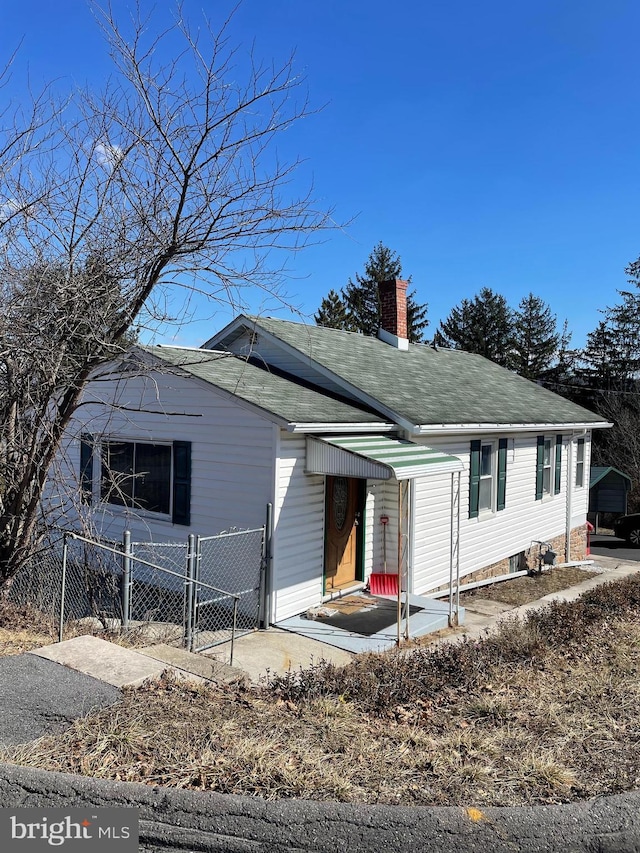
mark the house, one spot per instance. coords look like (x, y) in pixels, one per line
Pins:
(377, 456)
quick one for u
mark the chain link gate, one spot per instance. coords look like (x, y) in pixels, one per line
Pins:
(227, 587)
(199, 593)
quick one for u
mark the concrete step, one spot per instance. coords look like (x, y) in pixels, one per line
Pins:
(197, 664)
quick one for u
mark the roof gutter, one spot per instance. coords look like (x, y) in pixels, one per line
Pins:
(462, 429)
(340, 428)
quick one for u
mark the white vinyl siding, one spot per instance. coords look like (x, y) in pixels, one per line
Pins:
(498, 536)
(232, 455)
(298, 532)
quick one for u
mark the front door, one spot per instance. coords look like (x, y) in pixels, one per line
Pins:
(343, 516)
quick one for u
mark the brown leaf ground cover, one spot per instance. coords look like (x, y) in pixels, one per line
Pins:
(541, 710)
(529, 588)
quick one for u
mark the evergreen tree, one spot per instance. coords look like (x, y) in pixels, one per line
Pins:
(482, 325)
(333, 313)
(362, 303)
(535, 339)
(559, 377)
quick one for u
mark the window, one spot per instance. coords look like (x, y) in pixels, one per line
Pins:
(149, 476)
(488, 477)
(137, 475)
(580, 463)
(548, 466)
(516, 563)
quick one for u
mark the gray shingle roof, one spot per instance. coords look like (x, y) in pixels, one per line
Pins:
(427, 386)
(598, 472)
(273, 394)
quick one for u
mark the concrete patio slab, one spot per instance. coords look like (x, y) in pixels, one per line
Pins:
(275, 652)
(373, 626)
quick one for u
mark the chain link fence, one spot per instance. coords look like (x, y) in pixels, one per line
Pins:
(198, 593)
(234, 561)
(158, 573)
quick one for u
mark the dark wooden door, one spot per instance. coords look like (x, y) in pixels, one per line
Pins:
(343, 517)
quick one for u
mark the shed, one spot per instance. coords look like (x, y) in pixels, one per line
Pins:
(608, 490)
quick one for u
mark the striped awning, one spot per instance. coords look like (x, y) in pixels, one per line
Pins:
(376, 457)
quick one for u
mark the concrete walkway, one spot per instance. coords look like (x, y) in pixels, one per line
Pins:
(479, 618)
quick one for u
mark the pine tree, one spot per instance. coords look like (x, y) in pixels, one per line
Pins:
(362, 303)
(333, 313)
(482, 325)
(560, 375)
(535, 339)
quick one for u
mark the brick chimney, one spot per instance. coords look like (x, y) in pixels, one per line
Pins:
(393, 304)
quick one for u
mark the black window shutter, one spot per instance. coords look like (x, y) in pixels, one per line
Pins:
(474, 480)
(540, 468)
(502, 473)
(558, 472)
(181, 482)
(86, 467)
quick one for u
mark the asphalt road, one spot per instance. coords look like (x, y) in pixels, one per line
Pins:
(185, 821)
(611, 546)
(39, 697)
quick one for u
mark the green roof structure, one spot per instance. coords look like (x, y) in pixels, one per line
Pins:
(424, 386)
(288, 402)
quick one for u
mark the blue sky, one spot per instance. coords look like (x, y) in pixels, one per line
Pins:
(491, 144)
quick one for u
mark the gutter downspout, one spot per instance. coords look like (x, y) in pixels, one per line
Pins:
(567, 540)
(570, 486)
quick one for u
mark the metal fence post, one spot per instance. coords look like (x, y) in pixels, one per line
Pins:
(265, 570)
(126, 579)
(189, 590)
(63, 583)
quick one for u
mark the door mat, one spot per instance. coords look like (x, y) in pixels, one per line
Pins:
(363, 614)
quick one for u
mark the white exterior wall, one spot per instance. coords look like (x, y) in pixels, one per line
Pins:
(232, 455)
(580, 494)
(298, 532)
(493, 536)
(383, 500)
(298, 542)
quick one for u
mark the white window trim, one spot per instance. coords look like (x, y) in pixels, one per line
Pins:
(485, 512)
(580, 463)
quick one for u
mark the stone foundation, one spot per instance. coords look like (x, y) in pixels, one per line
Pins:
(529, 559)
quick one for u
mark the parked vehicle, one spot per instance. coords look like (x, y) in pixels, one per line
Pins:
(628, 527)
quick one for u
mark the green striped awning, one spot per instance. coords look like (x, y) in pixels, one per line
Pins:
(376, 457)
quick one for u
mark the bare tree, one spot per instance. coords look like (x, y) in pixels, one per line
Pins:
(620, 446)
(107, 200)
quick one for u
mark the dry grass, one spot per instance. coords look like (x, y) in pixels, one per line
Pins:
(23, 628)
(21, 640)
(543, 710)
(529, 588)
